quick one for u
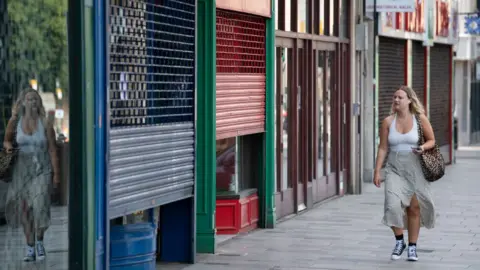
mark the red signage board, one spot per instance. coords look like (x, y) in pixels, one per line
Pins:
(443, 18)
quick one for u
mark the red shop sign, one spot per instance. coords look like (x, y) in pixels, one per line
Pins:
(415, 21)
(443, 19)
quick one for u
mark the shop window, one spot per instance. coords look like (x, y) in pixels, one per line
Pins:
(34, 88)
(320, 114)
(327, 17)
(227, 178)
(322, 17)
(283, 15)
(302, 16)
(237, 158)
(343, 27)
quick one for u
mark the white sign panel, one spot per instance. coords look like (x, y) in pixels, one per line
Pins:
(392, 5)
(59, 114)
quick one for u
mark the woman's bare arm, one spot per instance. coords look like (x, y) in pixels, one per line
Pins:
(427, 133)
(9, 132)
(52, 149)
(383, 146)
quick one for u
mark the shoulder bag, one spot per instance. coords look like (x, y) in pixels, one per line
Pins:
(7, 159)
(431, 160)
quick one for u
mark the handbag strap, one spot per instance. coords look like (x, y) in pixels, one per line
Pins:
(421, 139)
(15, 127)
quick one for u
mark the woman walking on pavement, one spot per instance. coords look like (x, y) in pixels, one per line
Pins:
(408, 200)
(34, 170)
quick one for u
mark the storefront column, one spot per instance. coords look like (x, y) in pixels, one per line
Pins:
(205, 169)
(82, 160)
(268, 192)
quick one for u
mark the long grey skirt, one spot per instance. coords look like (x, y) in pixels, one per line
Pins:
(403, 179)
(28, 195)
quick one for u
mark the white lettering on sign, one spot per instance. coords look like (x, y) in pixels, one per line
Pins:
(392, 5)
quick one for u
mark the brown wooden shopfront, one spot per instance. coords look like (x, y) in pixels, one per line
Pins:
(312, 93)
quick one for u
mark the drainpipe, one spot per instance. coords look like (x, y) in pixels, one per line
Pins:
(354, 156)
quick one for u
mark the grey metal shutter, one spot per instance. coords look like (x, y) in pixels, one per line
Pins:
(6, 95)
(152, 82)
(440, 92)
(418, 67)
(391, 73)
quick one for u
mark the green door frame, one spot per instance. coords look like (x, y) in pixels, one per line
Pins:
(206, 128)
(81, 210)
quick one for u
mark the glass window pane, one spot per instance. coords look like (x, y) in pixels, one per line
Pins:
(320, 109)
(329, 111)
(322, 17)
(343, 18)
(302, 16)
(34, 102)
(276, 15)
(288, 15)
(332, 17)
(286, 60)
(227, 179)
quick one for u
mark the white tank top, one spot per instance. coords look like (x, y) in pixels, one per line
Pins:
(399, 142)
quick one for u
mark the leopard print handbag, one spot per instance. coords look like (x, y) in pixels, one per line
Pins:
(7, 159)
(431, 160)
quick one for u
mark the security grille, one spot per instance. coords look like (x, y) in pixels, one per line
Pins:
(440, 92)
(391, 73)
(240, 74)
(152, 68)
(240, 43)
(418, 76)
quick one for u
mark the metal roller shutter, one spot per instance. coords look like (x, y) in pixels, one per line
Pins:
(391, 73)
(6, 95)
(418, 66)
(240, 74)
(440, 92)
(151, 73)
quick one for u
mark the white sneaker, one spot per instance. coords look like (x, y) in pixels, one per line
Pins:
(412, 253)
(40, 251)
(398, 250)
(30, 256)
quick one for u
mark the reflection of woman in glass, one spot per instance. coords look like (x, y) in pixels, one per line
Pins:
(28, 196)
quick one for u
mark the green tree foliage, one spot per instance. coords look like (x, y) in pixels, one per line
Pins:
(38, 41)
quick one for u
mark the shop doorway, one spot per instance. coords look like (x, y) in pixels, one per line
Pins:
(284, 138)
(325, 120)
(311, 123)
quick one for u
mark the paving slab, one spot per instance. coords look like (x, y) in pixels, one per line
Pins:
(343, 234)
(347, 234)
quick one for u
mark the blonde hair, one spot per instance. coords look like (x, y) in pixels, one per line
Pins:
(19, 109)
(415, 107)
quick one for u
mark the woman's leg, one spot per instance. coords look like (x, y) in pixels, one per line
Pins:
(397, 231)
(40, 233)
(28, 224)
(413, 213)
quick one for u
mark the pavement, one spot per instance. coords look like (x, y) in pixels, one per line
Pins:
(12, 245)
(341, 234)
(347, 233)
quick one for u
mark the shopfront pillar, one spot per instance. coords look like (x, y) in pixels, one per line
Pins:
(205, 140)
(269, 142)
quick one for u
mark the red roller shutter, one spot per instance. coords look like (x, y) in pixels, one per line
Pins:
(440, 92)
(418, 76)
(391, 73)
(240, 74)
